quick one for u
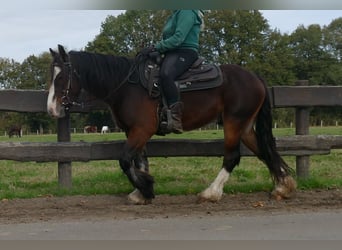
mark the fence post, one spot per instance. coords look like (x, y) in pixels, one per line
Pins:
(64, 168)
(302, 128)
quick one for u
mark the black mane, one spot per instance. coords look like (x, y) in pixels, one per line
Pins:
(99, 73)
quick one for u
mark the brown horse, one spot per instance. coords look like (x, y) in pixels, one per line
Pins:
(14, 130)
(242, 100)
(90, 129)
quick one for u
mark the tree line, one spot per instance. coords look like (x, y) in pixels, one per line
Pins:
(241, 37)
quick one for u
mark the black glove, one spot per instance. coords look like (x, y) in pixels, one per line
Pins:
(146, 51)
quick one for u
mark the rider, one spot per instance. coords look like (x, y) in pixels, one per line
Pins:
(179, 45)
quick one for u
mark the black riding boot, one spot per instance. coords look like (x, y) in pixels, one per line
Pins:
(176, 115)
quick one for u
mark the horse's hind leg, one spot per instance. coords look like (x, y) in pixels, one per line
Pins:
(284, 183)
(231, 158)
(250, 140)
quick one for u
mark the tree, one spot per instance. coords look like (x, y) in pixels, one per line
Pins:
(333, 37)
(311, 56)
(9, 73)
(333, 44)
(127, 33)
(276, 61)
(34, 72)
(233, 36)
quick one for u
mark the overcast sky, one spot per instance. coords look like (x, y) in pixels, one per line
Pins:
(24, 33)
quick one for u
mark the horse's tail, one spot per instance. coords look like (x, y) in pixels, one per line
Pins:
(266, 141)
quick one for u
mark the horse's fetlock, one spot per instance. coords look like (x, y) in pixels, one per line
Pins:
(285, 188)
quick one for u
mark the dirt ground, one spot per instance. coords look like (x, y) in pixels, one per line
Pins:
(103, 207)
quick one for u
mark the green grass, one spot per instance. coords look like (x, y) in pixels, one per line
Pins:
(174, 175)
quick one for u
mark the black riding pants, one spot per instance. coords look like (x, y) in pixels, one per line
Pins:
(175, 63)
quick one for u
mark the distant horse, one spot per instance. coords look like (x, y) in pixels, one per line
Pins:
(14, 130)
(104, 130)
(242, 100)
(89, 129)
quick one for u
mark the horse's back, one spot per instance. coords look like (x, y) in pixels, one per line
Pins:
(239, 82)
(236, 74)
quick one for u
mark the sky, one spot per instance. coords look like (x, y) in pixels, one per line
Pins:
(25, 33)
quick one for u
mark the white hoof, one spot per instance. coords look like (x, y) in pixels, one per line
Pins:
(137, 198)
(209, 195)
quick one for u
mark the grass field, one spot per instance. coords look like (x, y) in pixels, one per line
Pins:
(176, 175)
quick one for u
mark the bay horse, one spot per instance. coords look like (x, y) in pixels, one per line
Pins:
(90, 129)
(242, 100)
(15, 130)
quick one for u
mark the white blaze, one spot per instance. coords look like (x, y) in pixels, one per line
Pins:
(52, 107)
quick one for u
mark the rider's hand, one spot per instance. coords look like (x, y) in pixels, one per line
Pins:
(146, 51)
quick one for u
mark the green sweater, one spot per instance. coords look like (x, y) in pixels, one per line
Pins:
(181, 31)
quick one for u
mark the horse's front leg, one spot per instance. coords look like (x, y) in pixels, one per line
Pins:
(141, 163)
(134, 166)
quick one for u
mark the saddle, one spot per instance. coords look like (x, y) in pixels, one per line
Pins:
(198, 77)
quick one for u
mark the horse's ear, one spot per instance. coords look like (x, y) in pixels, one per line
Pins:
(52, 52)
(63, 54)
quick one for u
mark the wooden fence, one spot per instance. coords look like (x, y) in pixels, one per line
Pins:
(301, 145)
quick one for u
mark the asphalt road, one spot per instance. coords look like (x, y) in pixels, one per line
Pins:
(312, 225)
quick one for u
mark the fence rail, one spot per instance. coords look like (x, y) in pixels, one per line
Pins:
(88, 151)
(302, 145)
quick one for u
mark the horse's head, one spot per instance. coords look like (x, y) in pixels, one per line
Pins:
(64, 86)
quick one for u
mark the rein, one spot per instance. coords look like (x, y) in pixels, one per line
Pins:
(126, 79)
(131, 71)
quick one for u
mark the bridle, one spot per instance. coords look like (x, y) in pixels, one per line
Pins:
(66, 100)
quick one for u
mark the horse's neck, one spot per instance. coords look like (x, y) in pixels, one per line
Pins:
(102, 78)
